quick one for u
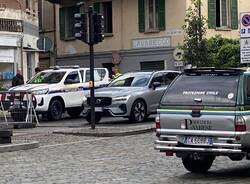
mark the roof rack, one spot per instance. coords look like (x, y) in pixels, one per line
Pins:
(214, 70)
(57, 67)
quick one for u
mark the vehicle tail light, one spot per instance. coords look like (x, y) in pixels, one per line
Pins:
(157, 124)
(240, 124)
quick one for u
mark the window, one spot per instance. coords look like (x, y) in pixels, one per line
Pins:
(159, 77)
(169, 77)
(67, 22)
(105, 8)
(152, 65)
(151, 15)
(223, 14)
(99, 75)
(73, 78)
(219, 90)
(248, 87)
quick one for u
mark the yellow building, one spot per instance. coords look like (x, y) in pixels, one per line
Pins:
(18, 38)
(141, 34)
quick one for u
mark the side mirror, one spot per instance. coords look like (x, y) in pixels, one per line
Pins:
(156, 85)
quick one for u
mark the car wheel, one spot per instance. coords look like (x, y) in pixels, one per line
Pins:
(75, 112)
(55, 110)
(138, 112)
(198, 164)
(98, 117)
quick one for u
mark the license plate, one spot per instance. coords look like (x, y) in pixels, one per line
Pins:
(196, 140)
(98, 109)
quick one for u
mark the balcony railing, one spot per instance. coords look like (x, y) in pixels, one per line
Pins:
(11, 25)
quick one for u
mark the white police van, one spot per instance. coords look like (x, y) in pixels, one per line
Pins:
(62, 89)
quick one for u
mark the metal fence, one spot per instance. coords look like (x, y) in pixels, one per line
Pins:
(18, 108)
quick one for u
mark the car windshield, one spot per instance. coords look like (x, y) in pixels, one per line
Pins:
(51, 77)
(190, 90)
(131, 80)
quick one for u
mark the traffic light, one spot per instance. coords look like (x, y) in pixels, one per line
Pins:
(80, 27)
(98, 28)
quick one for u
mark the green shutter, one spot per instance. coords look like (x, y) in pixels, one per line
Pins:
(211, 14)
(234, 14)
(97, 7)
(161, 14)
(141, 15)
(62, 23)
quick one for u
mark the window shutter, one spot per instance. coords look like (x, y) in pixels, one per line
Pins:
(161, 14)
(62, 23)
(211, 14)
(234, 14)
(97, 7)
(141, 15)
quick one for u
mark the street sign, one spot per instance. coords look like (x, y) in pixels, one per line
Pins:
(44, 43)
(245, 25)
(245, 50)
(178, 64)
(245, 37)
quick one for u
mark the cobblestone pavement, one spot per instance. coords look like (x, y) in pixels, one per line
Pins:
(88, 160)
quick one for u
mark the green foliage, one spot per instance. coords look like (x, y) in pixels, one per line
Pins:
(223, 52)
(200, 52)
(195, 45)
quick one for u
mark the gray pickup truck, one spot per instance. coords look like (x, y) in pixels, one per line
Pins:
(203, 114)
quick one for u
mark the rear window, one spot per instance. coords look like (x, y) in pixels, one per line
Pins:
(205, 89)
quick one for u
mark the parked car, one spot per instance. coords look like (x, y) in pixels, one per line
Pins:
(134, 95)
(62, 88)
(203, 114)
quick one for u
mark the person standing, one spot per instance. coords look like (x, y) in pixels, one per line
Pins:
(17, 79)
(37, 70)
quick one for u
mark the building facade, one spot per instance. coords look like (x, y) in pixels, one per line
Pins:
(18, 38)
(141, 34)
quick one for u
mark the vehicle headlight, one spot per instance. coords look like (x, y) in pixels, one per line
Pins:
(121, 98)
(40, 92)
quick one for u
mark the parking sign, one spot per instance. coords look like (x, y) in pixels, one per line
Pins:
(245, 37)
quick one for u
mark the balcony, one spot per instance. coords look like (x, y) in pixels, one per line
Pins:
(11, 25)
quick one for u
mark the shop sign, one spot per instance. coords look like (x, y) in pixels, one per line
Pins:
(8, 41)
(151, 43)
(6, 56)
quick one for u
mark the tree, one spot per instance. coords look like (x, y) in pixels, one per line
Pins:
(223, 52)
(195, 45)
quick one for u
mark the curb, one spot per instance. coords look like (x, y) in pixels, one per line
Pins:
(18, 147)
(96, 133)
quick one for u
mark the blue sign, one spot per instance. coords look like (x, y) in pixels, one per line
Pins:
(246, 20)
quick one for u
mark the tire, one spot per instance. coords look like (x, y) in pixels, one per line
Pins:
(138, 112)
(74, 112)
(55, 110)
(198, 164)
(98, 117)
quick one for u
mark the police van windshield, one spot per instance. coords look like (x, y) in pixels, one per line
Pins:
(47, 78)
(202, 90)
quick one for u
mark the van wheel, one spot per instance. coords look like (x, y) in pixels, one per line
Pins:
(198, 164)
(138, 112)
(75, 112)
(98, 117)
(55, 110)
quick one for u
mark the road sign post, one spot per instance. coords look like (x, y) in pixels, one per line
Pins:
(245, 38)
(90, 34)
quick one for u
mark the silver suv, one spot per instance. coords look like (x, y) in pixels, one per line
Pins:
(134, 95)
